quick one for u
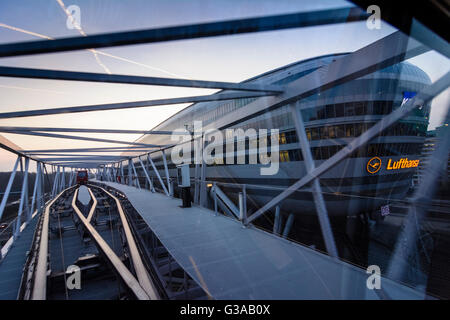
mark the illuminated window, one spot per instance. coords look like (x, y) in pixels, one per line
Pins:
(282, 138)
(284, 156)
(308, 134)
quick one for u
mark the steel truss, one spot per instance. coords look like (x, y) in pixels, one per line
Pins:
(383, 53)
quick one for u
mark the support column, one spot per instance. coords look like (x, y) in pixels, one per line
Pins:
(122, 177)
(130, 175)
(288, 226)
(63, 179)
(108, 173)
(22, 198)
(58, 186)
(276, 221)
(166, 169)
(157, 174)
(47, 176)
(40, 190)
(69, 183)
(55, 182)
(146, 174)
(26, 207)
(322, 213)
(8, 187)
(113, 169)
(196, 184)
(203, 198)
(35, 191)
(58, 190)
(137, 184)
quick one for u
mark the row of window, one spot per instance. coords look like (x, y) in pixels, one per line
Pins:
(323, 153)
(356, 108)
(332, 131)
(211, 113)
(356, 129)
(353, 130)
(370, 150)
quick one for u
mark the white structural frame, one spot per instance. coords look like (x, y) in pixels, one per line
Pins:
(383, 53)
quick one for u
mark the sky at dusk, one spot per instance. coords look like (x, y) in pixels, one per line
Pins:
(230, 58)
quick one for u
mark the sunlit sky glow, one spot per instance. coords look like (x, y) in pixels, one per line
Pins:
(231, 58)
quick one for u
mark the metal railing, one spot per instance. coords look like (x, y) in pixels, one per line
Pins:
(10, 233)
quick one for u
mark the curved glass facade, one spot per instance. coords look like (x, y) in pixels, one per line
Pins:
(332, 118)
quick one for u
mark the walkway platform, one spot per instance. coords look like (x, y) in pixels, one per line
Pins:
(11, 267)
(233, 262)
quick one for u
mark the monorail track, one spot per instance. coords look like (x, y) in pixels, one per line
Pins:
(70, 233)
(127, 277)
(95, 232)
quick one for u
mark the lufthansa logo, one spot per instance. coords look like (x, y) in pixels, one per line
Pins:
(374, 165)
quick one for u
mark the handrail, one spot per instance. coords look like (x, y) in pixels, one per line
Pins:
(141, 271)
(26, 282)
(233, 185)
(223, 197)
(123, 271)
(40, 282)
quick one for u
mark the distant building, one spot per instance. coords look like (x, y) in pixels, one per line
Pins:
(429, 146)
(368, 179)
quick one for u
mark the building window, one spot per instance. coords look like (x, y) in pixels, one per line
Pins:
(284, 156)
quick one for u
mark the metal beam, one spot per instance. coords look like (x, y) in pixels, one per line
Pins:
(146, 174)
(193, 31)
(288, 226)
(32, 73)
(130, 174)
(88, 157)
(424, 96)
(135, 173)
(166, 170)
(72, 177)
(23, 198)
(55, 181)
(35, 190)
(51, 129)
(226, 201)
(41, 188)
(122, 176)
(8, 187)
(86, 162)
(58, 186)
(78, 155)
(81, 165)
(157, 174)
(88, 153)
(276, 221)
(63, 136)
(6, 144)
(104, 149)
(319, 201)
(63, 180)
(129, 105)
(115, 171)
